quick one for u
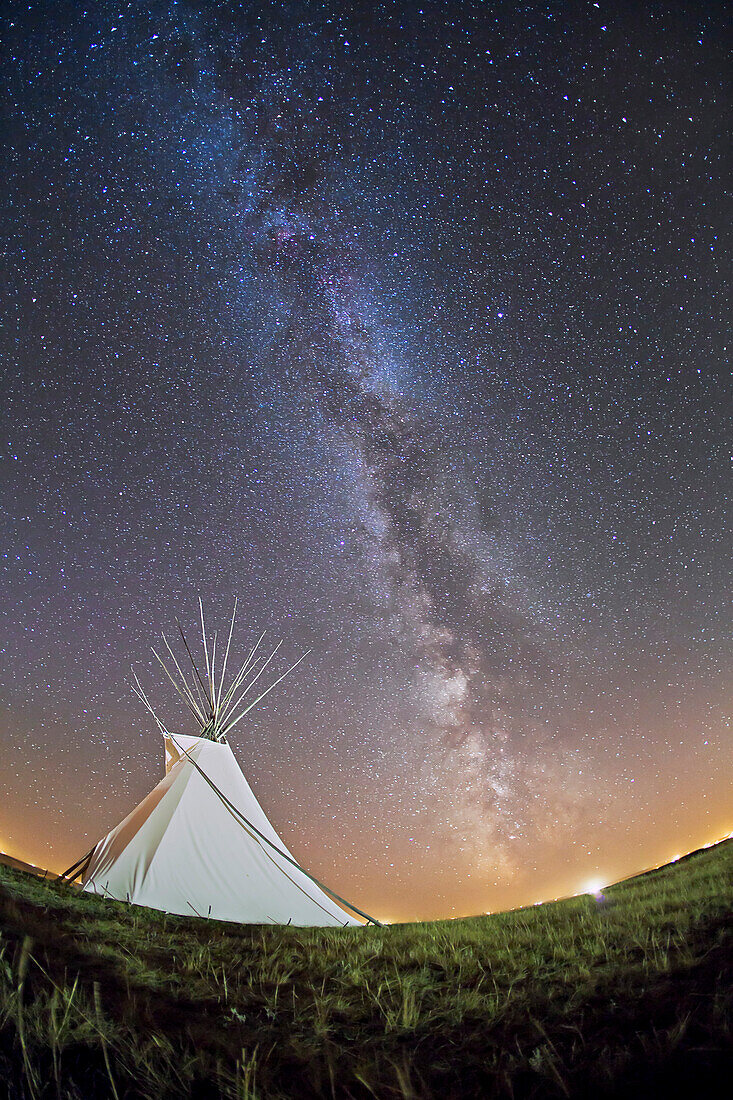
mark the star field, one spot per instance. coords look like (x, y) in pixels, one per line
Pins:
(405, 325)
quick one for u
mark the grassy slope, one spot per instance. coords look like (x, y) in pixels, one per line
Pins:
(626, 998)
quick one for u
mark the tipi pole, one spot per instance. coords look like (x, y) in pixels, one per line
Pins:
(178, 689)
(209, 672)
(245, 670)
(193, 663)
(232, 707)
(226, 656)
(78, 868)
(234, 721)
(194, 701)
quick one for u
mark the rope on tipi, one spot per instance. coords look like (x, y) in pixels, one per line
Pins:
(244, 822)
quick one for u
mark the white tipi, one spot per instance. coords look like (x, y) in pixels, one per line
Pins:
(200, 843)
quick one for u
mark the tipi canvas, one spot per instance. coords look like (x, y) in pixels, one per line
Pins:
(184, 850)
(200, 844)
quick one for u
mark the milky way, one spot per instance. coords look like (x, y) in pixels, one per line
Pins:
(403, 325)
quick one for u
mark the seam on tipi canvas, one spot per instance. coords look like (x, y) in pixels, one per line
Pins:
(168, 805)
(113, 846)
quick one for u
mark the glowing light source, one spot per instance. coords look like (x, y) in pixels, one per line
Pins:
(594, 887)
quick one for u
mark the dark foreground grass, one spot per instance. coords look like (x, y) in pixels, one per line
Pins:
(631, 997)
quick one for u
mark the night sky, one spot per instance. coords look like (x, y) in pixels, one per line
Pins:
(404, 324)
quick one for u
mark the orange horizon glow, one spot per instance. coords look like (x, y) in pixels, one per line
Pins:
(562, 896)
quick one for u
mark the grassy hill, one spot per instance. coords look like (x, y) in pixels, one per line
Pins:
(628, 996)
